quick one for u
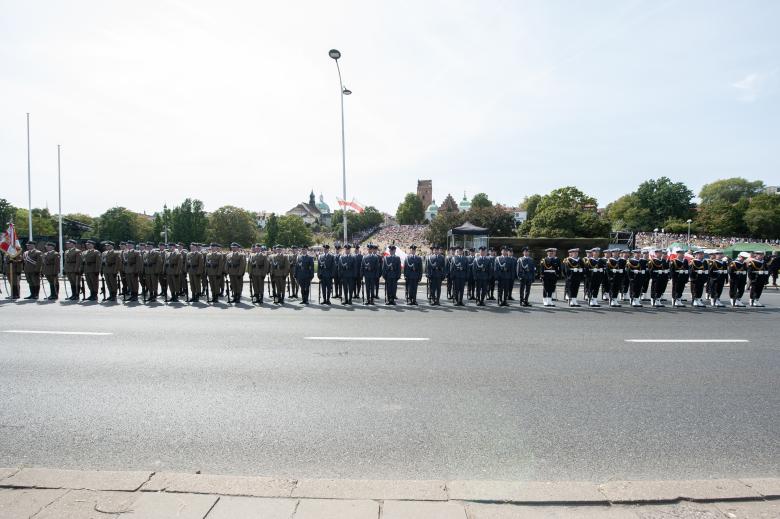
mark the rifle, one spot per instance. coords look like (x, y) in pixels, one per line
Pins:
(288, 286)
(226, 281)
(102, 287)
(83, 292)
(185, 288)
(206, 279)
(42, 280)
(251, 289)
(5, 283)
(164, 287)
(319, 292)
(142, 280)
(406, 291)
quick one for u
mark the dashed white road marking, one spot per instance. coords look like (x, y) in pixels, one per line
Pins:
(367, 338)
(54, 332)
(687, 340)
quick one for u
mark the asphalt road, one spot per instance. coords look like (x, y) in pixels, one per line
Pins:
(492, 393)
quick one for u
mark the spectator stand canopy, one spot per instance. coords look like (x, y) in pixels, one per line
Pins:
(735, 249)
(468, 235)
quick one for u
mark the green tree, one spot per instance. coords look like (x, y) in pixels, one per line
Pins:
(79, 226)
(723, 218)
(627, 213)
(188, 222)
(118, 224)
(480, 200)
(566, 212)
(272, 230)
(763, 216)
(529, 205)
(730, 190)
(565, 197)
(497, 219)
(232, 224)
(436, 232)
(293, 231)
(43, 223)
(410, 211)
(7, 214)
(664, 199)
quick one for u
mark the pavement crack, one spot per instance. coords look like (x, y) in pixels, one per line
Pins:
(148, 479)
(212, 507)
(295, 509)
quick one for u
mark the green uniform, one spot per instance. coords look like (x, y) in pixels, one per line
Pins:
(280, 269)
(153, 265)
(72, 267)
(173, 266)
(109, 268)
(33, 263)
(235, 267)
(194, 264)
(258, 267)
(133, 267)
(51, 269)
(90, 262)
(215, 265)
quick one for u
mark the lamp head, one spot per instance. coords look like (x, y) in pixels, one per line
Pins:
(333, 53)
(346, 91)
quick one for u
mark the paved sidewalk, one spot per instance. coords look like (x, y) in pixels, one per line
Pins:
(71, 494)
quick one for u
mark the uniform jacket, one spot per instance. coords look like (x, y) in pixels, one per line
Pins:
(51, 263)
(173, 263)
(72, 260)
(90, 260)
(459, 267)
(504, 268)
(347, 267)
(215, 263)
(304, 268)
(370, 267)
(280, 265)
(33, 262)
(550, 267)
(391, 267)
(482, 267)
(235, 263)
(413, 268)
(437, 267)
(258, 265)
(132, 261)
(109, 262)
(526, 268)
(195, 263)
(326, 266)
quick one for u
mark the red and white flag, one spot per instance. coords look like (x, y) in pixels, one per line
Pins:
(9, 242)
(351, 205)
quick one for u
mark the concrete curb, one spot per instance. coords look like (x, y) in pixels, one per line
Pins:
(513, 492)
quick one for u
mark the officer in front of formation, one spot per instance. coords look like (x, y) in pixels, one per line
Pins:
(391, 271)
(436, 271)
(526, 272)
(550, 270)
(326, 269)
(504, 272)
(33, 263)
(304, 273)
(280, 269)
(413, 268)
(51, 269)
(459, 272)
(110, 260)
(370, 270)
(347, 270)
(235, 267)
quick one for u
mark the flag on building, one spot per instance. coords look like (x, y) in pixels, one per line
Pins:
(9, 242)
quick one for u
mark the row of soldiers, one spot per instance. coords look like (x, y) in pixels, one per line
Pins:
(175, 272)
(627, 275)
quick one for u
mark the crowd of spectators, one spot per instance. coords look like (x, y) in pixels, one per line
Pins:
(660, 239)
(402, 236)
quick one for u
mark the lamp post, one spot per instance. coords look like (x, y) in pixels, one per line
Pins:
(165, 223)
(344, 91)
(689, 233)
(655, 237)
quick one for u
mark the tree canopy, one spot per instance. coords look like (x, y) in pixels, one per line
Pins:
(410, 211)
(480, 200)
(293, 231)
(564, 212)
(188, 222)
(653, 204)
(730, 190)
(232, 224)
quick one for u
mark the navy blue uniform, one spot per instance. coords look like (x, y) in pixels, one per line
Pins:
(391, 271)
(413, 268)
(304, 273)
(482, 267)
(526, 272)
(550, 269)
(437, 269)
(504, 272)
(359, 279)
(678, 271)
(347, 272)
(370, 271)
(459, 272)
(326, 269)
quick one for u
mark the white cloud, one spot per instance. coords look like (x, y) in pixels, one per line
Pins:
(749, 87)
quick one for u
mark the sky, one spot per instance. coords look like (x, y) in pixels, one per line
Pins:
(237, 102)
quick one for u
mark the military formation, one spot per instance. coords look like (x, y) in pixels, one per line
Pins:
(148, 272)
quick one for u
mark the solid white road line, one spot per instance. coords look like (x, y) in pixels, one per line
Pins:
(367, 338)
(687, 340)
(47, 332)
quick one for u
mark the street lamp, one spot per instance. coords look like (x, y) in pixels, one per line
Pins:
(689, 233)
(655, 237)
(344, 91)
(165, 223)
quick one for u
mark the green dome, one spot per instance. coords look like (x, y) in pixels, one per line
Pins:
(433, 207)
(464, 204)
(322, 206)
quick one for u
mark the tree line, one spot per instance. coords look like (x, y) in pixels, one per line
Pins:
(727, 207)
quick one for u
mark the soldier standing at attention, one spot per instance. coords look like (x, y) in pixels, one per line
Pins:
(304, 273)
(51, 269)
(758, 276)
(572, 269)
(122, 282)
(436, 266)
(215, 265)
(33, 263)
(151, 269)
(550, 268)
(658, 268)
(470, 283)
(678, 272)
(491, 289)
(605, 281)
(72, 267)
(615, 267)
(624, 291)
(594, 271)
(293, 257)
(280, 269)
(391, 271)
(636, 268)
(526, 272)
(359, 278)
(109, 268)
(481, 268)
(258, 269)
(235, 267)
(173, 263)
(336, 273)
(194, 264)
(504, 274)
(737, 279)
(719, 271)
(699, 273)
(413, 268)
(132, 266)
(90, 260)
(326, 267)
(370, 270)
(346, 272)
(459, 271)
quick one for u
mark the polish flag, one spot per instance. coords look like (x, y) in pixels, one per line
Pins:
(351, 205)
(9, 242)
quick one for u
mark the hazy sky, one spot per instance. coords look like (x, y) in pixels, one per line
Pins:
(238, 102)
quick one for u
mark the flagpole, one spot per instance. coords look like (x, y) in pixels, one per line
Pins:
(29, 184)
(59, 197)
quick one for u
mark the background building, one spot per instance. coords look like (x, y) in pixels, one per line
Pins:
(425, 192)
(312, 212)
